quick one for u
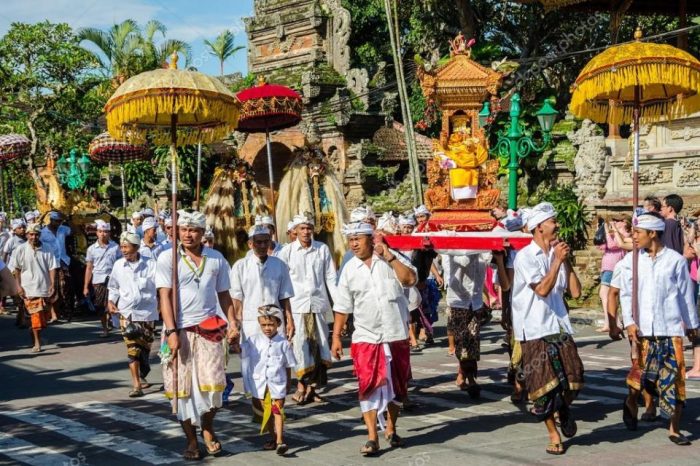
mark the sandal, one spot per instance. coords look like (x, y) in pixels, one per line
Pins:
(416, 349)
(36, 349)
(145, 384)
(313, 397)
(136, 393)
(270, 445)
(627, 417)
(299, 397)
(370, 448)
(556, 449)
(213, 447)
(192, 455)
(281, 448)
(679, 439)
(394, 440)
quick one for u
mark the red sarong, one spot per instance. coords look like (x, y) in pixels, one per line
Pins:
(369, 362)
(400, 367)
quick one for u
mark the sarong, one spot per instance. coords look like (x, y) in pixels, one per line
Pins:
(372, 365)
(201, 378)
(465, 325)
(553, 373)
(38, 312)
(661, 368)
(400, 367)
(311, 348)
(139, 349)
(65, 299)
(101, 293)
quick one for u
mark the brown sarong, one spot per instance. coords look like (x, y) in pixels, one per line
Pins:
(465, 325)
(139, 349)
(101, 293)
(553, 373)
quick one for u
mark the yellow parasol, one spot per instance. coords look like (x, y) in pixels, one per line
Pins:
(172, 107)
(632, 82)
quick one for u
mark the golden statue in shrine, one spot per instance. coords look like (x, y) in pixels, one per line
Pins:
(462, 157)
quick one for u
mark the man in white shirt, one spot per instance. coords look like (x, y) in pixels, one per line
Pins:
(666, 313)
(149, 246)
(132, 295)
(194, 331)
(313, 277)
(34, 267)
(553, 369)
(135, 225)
(260, 279)
(464, 278)
(19, 237)
(371, 288)
(55, 236)
(99, 260)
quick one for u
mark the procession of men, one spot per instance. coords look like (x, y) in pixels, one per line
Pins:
(290, 314)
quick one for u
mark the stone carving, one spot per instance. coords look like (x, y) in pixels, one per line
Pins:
(590, 160)
(388, 105)
(340, 35)
(687, 133)
(341, 106)
(358, 80)
(649, 175)
(690, 173)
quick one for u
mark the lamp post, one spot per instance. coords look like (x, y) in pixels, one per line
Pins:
(73, 171)
(515, 144)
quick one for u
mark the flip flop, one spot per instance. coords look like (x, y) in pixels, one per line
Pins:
(281, 449)
(370, 448)
(212, 447)
(299, 397)
(556, 449)
(136, 393)
(627, 417)
(394, 440)
(680, 439)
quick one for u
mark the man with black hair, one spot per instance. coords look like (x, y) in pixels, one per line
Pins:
(652, 204)
(673, 237)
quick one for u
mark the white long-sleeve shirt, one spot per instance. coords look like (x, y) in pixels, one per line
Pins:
(666, 294)
(535, 316)
(313, 276)
(132, 287)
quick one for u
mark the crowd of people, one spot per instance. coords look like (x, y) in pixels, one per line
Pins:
(286, 309)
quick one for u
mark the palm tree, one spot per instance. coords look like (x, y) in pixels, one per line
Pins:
(223, 47)
(128, 50)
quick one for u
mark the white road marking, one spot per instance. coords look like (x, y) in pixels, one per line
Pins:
(25, 452)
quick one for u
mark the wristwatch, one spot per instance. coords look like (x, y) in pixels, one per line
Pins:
(170, 331)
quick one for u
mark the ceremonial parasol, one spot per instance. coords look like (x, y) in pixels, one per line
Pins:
(265, 108)
(104, 148)
(172, 107)
(637, 81)
(12, 147)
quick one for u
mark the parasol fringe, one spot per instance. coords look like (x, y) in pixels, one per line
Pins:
(123, 118)
(588, 96)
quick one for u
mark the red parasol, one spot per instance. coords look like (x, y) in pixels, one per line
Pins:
(105, 149)
(12, 147)
(265, 108)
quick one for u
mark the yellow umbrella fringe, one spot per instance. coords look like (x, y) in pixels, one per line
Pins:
(217, 118)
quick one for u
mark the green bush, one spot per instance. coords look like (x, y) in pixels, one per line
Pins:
(570, 215)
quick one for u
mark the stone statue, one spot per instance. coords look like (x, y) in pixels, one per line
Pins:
(341, 22)
(590, 161)
(358, 80)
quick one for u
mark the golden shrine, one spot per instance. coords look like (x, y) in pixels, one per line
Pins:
(461, 177)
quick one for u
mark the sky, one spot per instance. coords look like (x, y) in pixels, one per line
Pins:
(192, 21)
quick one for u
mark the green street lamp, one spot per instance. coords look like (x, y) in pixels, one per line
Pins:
(515, 144)
(73, 171)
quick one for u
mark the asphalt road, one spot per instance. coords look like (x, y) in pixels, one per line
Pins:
(69, 406)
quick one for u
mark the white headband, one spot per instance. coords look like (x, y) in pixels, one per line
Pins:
(538, 214)
(650, 222)
(358, 228)
(421, 210)
(148, 223)
(387, 223)
(258, 230)
(264, 220)
(101, 225)
(407, 220)
(302, 219)
(130, 238)
(191, 219)
(360, 214)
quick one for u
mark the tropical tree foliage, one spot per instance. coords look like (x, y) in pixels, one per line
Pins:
(223, 47)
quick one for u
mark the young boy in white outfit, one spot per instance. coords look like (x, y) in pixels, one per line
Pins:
(266, 362)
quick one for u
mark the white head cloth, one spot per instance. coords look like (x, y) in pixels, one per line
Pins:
(421, 210)
(30, 216)
(148, 223)
(264, 220)
(258, 230)
(301, 219)
(650, 222)
(538, 214)
(358, 228)
(129, 238)
(407, 220)
(34, 228)
(137, 214)
(17, 223)
(270, 310)
(291, 225)
(360, 214)
(101, 225)
(191, 219)
(168, 222)
(387, 223)
(147, 212)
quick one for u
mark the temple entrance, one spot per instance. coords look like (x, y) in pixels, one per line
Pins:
(281, 157)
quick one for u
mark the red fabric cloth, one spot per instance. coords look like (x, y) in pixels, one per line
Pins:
(400, 367)
(370, 367)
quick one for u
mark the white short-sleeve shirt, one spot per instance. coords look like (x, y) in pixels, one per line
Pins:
(264, 364)
(313, 275)
(152, 252)
(35, 266)
(132, 287)
(376, 299)
(199, 286)
(534, 316)
(465, 280)
(256, 284)
(102, 258)
(57, 242)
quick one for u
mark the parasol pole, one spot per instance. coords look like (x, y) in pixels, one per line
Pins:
(199, 174)
(175, 285)
(269, 172)
(2, 187)
(126, 221)
(635, 201)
